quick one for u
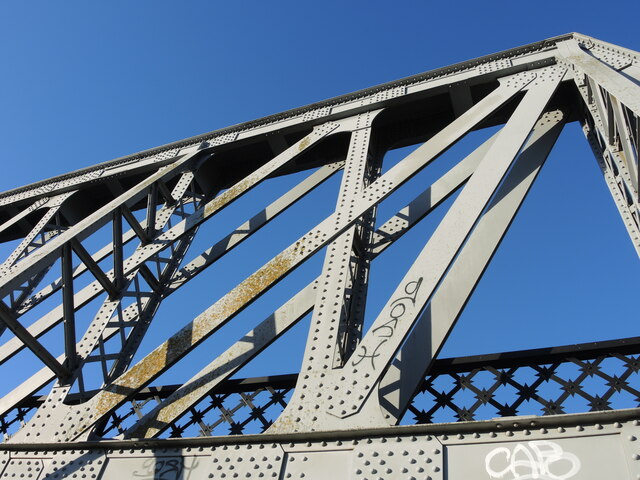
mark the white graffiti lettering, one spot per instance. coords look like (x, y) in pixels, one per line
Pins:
(535, 460)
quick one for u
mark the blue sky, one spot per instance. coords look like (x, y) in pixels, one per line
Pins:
(85, 82)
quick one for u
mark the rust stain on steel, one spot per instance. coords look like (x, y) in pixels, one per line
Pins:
(219, 202)
(304, 143)
(179, 402)
(182, 342)
(244, 184)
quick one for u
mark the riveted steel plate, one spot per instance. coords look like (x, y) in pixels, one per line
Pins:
(79, 464)
(418, 457)
(317, 465)
(22, 468)
(165, 464)
(582, 453)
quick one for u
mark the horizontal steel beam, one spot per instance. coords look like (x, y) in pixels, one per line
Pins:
(348, 104)
(588, 446)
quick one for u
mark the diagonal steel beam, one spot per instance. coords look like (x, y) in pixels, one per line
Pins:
(31, 343)
(161, 417)
(162, 216)
(47, 254)
(167, 354)
(179, 278)
(393, 324)
(625, 90)
(417, 354)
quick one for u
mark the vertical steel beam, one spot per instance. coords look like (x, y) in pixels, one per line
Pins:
(334, 388)
(118, 257)
(170, 409)
(330, 315)
(68, 307)
(152, 200)
(393, 324)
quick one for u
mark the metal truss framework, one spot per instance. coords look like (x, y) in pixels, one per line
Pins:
(339, 416)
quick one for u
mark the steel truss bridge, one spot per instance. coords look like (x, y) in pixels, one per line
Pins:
(368, 400)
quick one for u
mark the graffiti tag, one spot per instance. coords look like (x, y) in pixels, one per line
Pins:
(385, 331)
(535, 460)
(172, 468)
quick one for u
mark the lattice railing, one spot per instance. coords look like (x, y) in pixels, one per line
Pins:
(571, 379)
(564, 382)
(231, 411)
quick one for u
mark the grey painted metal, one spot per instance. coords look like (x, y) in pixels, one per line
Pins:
(341, 394)
(30, 342)
(612, 101)
(406, 372)
(352, 383)
(330, 313)
(291, 312)
(522, 58)
(68, 310)
(168, 353)
(585, 446)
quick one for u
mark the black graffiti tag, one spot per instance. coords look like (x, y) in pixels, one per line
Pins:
(388, 329)
(165, 469)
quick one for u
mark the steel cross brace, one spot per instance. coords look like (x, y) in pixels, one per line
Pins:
(253, 342)
(192, 221)
(345, 382)
(417, 354)
(149, 250)
(133, 313)
(94, 335)
(610, 100)
(266, 274)
(344, 392)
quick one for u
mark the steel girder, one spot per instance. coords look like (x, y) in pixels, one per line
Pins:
(355, 383)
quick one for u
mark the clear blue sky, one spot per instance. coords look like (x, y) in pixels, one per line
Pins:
(85, 82)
